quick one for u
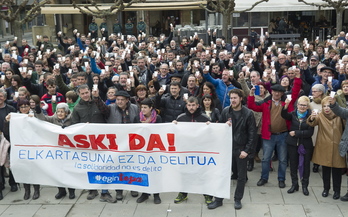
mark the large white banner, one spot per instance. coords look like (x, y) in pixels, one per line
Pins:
(152, 158)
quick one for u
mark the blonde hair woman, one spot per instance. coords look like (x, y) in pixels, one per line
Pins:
(299, 142)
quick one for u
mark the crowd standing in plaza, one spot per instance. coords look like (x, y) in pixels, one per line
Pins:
(291, 101)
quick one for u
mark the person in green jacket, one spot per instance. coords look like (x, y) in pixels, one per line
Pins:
(93, 29)
(72, 99)
(141, 26)
(342, 95)
(104, 28)
(117, 28)
(129, 27)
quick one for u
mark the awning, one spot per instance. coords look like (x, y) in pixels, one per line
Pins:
(279, 5)
(270, 6)
(69, 9)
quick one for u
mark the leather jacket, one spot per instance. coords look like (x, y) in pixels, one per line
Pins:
(244, 128)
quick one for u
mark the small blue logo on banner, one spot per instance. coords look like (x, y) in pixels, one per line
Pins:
(127, 178)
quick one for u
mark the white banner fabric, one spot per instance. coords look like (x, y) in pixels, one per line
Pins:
(151, 158)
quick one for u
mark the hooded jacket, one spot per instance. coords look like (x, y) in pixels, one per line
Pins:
(197, 116)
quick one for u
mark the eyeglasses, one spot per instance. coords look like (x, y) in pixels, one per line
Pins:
(302, 105)
(313, 60)
(24, 106)
(14, 50)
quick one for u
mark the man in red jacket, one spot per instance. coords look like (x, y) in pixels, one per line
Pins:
(274, 132)
(274, 127)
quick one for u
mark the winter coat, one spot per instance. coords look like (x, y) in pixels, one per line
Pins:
(214, 115)
(265, 108)
(257, 115)
(221, 89)
(343, 113)
(326, 152)
(303, 132)
(335, 83)
(341, 99)
(114, 114)
(54, 119)
(244, 128)
(87, 112)
(197, 116)
(172, 107)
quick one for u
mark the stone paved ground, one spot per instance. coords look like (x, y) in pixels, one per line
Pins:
(268, 200)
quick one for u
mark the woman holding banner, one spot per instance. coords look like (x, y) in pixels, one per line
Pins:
(148, 115)
(61, 117)
(23, 106)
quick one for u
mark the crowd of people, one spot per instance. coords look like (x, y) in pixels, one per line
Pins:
(291, 101)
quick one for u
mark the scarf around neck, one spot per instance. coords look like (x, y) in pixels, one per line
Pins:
(151, 119)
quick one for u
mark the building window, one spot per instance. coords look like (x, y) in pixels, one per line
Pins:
(259, 19)
(240, 20)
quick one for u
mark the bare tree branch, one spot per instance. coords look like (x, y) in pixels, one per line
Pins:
(204, 7)
(328, 3)
(34, 11)
(226, 6)
(14, 10)
(95, 11)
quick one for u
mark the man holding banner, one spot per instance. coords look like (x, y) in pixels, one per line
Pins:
(244, 133)
(121, 112)
(192, 114)
(86, 111)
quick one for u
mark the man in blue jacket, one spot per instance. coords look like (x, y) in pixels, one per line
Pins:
(223, 86)
(327, 72)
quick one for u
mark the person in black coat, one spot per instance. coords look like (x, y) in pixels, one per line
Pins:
(299, 138)
(244, 134)
(5, 109)
(208, 108)
(172, 103)
(23, 107)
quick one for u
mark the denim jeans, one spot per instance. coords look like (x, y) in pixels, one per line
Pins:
(276, 142)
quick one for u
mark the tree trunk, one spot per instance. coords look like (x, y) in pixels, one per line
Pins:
(339, 16)
(226, 19)
(231, 30)
(17, 31)
(110, 20)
